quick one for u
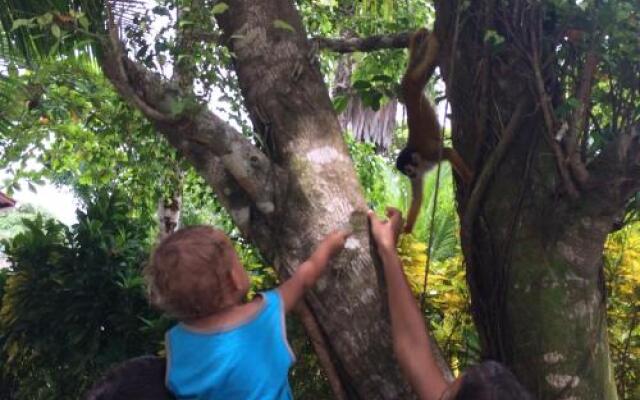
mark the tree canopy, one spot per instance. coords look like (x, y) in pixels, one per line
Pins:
(233, 107)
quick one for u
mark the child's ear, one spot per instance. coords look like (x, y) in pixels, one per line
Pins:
(236, 278)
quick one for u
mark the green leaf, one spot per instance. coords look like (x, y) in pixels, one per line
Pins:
(84, 22)
(159, 10)
(340, 103)
(54, 49)
(372, 99)
(361, 85)
(18, 23)
(493, 37)
(55, 30)
(382, 78)
(573, 103)
(45, 19)
(280, 24)
(219, 8)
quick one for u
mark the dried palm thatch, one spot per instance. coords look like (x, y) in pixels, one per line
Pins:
(366, 124)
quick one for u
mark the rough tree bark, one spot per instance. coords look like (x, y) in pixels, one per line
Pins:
(286, 196)
(533, 229)
(534, 221)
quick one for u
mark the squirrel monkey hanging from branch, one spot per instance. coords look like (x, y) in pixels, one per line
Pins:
(424, 148)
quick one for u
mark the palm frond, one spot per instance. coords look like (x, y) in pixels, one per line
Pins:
(56, 26)
(366, 124)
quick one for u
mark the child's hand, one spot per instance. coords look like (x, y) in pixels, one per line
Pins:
(337, 239)
(386, 233)
(309, 271)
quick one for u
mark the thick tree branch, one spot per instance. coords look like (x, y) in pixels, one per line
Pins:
(338, 45)
(367, 44)
(579, 119)
(189, 126)
(322, 351)
(490, 167)
(615, 173)
(549, 119)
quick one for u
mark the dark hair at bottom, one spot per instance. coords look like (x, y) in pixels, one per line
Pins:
(403, 159)
(491, 380)
(140, 378)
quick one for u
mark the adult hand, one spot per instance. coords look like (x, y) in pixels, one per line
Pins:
(386, 233)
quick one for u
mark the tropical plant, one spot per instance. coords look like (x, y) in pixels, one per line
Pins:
(78, 132)
(544, 106)
(622, 272)
(11, 221)
(73, 299)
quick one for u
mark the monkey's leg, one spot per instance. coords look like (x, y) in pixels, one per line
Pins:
(458, 164)
(425, 52)
(416, 50)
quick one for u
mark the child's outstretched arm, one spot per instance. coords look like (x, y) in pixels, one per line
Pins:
(309, 271)
(410, 337)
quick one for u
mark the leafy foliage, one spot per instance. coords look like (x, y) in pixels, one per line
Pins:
(447, 296)
(80, 286)
(622, 269)
(11, 222)
(73, 124)
(64, 114)
(384, 186)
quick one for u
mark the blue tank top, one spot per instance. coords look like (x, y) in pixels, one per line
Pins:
(247, 362)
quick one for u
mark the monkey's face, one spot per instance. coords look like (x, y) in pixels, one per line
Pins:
(406, 164)
(412, 164)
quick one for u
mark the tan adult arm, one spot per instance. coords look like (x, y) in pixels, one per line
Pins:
(410, 338)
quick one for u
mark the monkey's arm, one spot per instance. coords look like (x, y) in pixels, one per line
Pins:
(411, 343)
(416, 202)
(458, 164)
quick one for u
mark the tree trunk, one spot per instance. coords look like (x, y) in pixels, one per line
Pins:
(168, 215)
(287, 195)
(532, 238)
(289, 105)
(170, 203)
(533, 251)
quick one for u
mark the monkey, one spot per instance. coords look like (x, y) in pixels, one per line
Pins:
(424, 146)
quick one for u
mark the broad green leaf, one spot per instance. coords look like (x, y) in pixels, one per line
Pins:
(18, 23)
(45, 19)
(361, 84)
(340, 103)
(219, 8)
(55, 30)
(84, 22)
